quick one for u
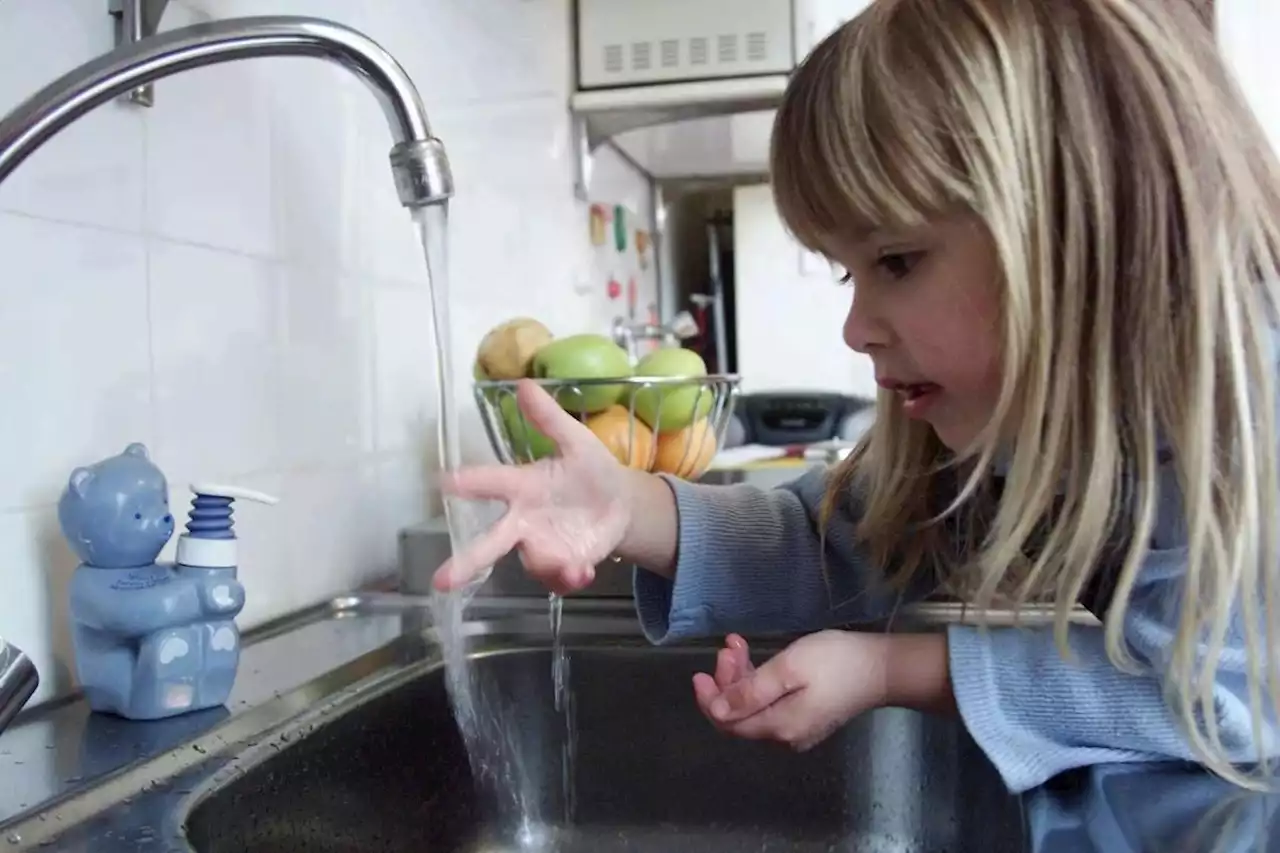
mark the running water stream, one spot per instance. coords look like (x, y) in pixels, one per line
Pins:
(498, 762)
(564, 704)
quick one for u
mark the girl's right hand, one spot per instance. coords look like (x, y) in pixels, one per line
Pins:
(565, 514)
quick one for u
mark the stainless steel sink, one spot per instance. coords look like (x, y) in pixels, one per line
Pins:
(340, 737)
(387, 770)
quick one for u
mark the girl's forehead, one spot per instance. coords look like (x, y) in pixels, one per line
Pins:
(867, 236)
(857, 237)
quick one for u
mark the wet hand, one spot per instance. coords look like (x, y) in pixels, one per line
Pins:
(800, 696)
(564, 514)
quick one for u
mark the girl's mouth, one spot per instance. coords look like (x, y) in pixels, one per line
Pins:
(916, 397)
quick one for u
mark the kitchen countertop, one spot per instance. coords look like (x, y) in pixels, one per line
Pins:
(57, 762)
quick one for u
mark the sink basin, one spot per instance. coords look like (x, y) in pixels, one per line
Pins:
(390, 772)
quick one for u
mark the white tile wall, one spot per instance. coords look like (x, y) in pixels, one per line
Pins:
(229, 278)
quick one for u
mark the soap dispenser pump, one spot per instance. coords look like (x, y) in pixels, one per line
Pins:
(210, 540)
(151, 640)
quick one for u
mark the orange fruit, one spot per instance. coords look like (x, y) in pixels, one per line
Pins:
(686, 453)
(630, 441)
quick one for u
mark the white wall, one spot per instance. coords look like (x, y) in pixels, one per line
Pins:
(790, 308)
(1247, 32)
(228, 278)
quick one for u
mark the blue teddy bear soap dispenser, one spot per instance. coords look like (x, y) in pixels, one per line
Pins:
(151, 640)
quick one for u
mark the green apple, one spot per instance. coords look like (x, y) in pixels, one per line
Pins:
(585, 356)
(528, 443)
(667, 408)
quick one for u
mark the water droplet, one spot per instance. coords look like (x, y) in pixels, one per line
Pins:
(15, 838)
(198, 748)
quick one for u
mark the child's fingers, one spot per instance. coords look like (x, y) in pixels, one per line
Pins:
(733, 662)
(741, 654)
(705, 692)
(752, 695)
(484, 483)
(547, 415)
(727, 671)
(486, 550)
(575, 578)
(769, 724)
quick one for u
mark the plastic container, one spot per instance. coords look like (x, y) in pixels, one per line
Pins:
(151, 640)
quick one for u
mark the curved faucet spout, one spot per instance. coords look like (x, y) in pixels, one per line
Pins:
(418, 161)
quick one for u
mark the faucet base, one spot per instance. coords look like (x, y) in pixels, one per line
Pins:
(135, 21)
(18, 682)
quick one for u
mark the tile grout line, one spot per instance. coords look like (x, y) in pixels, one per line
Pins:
(152, 390)
(350, 460)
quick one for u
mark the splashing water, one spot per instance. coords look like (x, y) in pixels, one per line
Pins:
(497, 761)
(564, 704)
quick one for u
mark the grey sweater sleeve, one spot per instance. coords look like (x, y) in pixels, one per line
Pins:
(752, 560)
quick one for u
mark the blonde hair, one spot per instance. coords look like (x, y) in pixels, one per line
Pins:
(1133, 203)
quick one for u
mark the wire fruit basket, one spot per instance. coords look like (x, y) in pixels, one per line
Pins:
(660, 424)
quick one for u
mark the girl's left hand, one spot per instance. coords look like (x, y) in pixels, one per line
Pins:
(803, 694)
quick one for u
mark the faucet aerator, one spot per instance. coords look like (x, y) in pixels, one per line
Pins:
(421, 171)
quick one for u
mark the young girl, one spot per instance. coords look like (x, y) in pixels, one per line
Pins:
(1062, 222)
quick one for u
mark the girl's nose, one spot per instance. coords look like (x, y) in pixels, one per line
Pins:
(864, 330)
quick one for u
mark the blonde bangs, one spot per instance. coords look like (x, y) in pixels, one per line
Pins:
(848, 154)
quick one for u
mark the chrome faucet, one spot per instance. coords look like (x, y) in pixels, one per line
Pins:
(628, 334)
(418, 161)
(419, 165)
(18, 681)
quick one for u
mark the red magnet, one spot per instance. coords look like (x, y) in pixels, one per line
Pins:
(615, 289)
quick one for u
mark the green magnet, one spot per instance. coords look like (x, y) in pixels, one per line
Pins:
(620, 228)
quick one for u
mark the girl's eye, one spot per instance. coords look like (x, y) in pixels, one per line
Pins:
(899, 264)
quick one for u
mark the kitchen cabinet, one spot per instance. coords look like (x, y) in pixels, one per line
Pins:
(689, 127)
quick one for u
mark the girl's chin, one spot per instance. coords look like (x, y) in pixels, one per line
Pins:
(957, 438)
